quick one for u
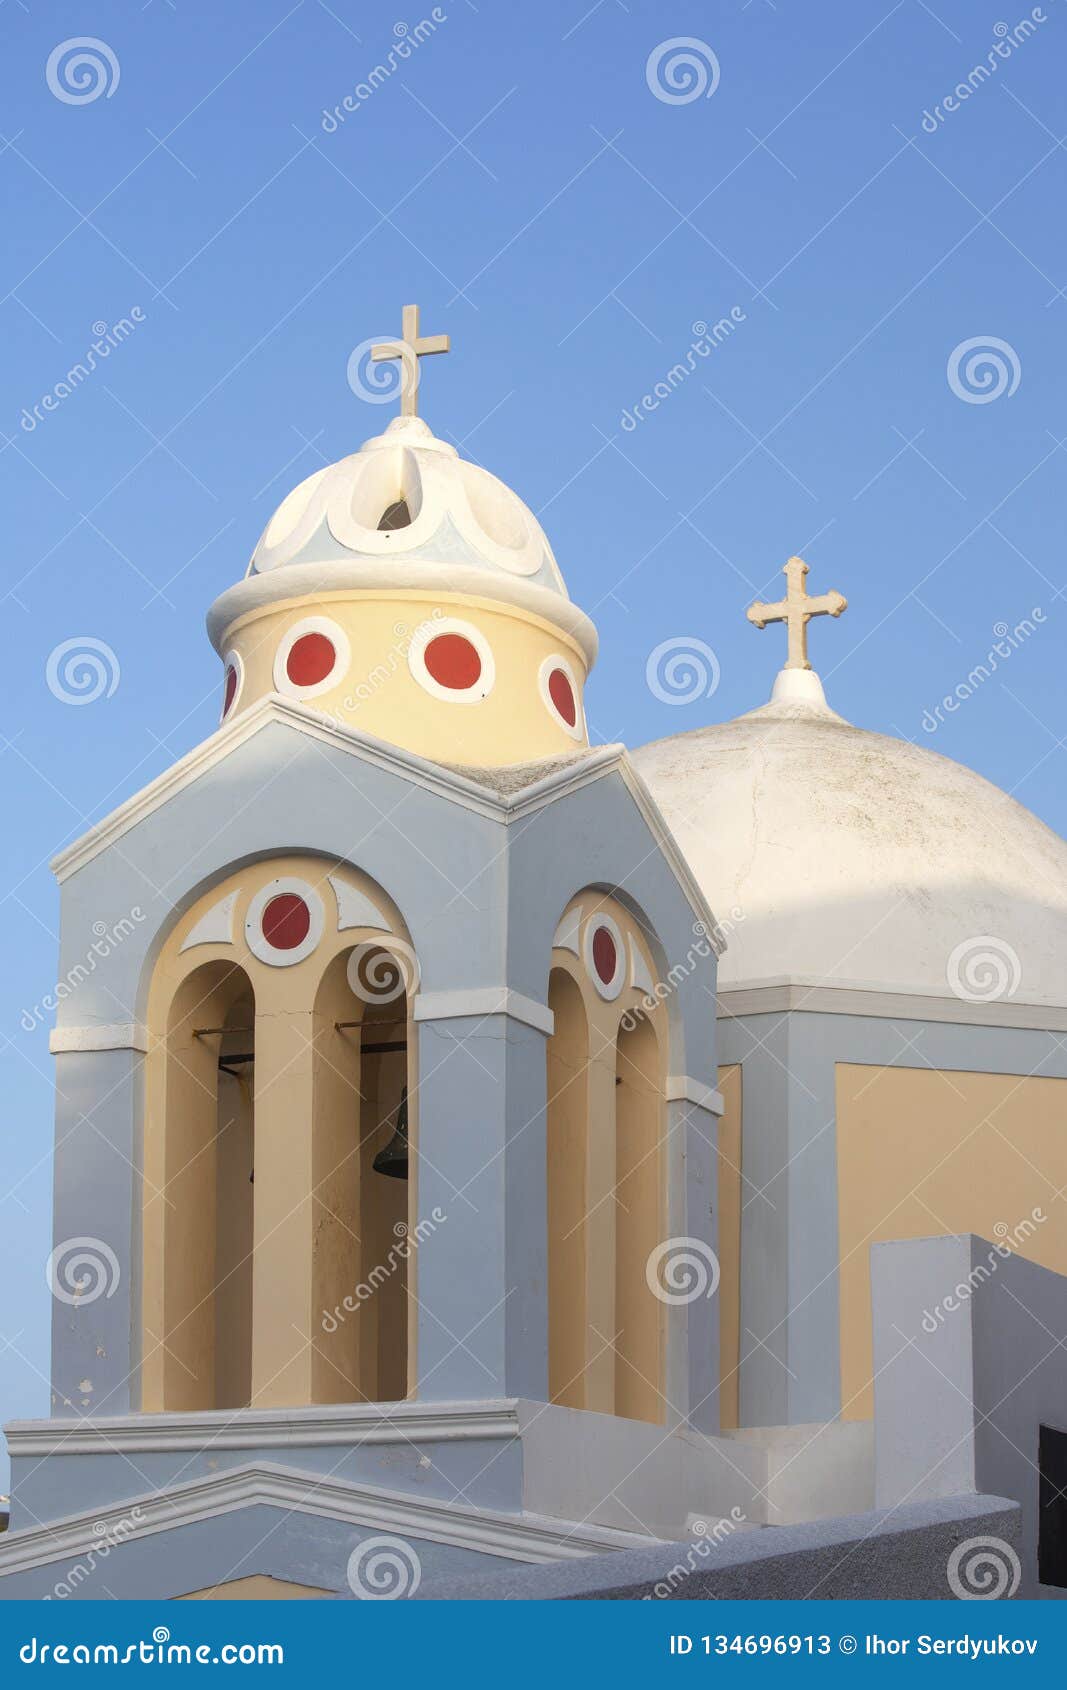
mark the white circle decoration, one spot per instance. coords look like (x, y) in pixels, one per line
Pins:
(330, 630)
(608, 989)
(544, 676)
(441, 627)
(257, 940)
(232, 660)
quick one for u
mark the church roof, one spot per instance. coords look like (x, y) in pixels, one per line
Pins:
(405, 511)
(849, 858)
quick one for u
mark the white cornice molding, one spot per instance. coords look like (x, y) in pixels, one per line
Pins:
(682, 1088)
(788, 994)
(516, 1537)
(483, 1001)
(116, 1035)
(257, 1428)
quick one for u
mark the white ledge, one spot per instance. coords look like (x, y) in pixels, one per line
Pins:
(257, 1428)
(116, 1035)
(483, 1001)
(682, 1088)
(788, 993)
(516, 1537)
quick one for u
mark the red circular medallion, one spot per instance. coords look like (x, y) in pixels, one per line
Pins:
(561, 693)
(453, 662)
(605, 955)
(310, 660)
(286, 921)
(229, 689)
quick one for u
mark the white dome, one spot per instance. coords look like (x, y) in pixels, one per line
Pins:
(405, 511)
(842, 857)
(452, 511)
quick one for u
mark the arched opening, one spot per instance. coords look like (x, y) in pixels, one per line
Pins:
(360, 1270)
(567, 1131)
(208, 1192)
(638, 1220)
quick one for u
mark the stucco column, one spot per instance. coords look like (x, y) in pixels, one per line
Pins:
(282, 1285)
(481, 1268)
(600, 1218)
(693, 1327)
(95, 1261)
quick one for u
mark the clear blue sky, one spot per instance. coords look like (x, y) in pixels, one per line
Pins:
(517, 176)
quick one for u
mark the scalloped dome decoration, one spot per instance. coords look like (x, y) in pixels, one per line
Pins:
(406, 492)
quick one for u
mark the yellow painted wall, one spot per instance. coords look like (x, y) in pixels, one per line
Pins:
(379, 694)
(729, 1243)
(258, 1587)
(921, 1152)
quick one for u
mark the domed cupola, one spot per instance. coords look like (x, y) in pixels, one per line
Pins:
(401, 582)
(837, 857)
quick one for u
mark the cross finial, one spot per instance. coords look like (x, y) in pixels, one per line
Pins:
(409, 349)
(796, 611)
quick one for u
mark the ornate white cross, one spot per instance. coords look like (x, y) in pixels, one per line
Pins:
(409, 349)
(796, 611)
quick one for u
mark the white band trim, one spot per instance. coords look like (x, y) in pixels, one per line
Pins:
(682, 1088)
(123, 1035)
(485, 1000)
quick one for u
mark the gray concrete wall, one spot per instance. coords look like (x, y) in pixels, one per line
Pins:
(970, 1360)
(888, 1554)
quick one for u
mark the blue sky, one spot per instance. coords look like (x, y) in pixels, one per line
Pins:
(520, 175)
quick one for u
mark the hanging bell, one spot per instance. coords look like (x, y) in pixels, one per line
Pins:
(393, 1159)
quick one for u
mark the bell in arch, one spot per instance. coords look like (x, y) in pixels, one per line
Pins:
(393, 1158)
